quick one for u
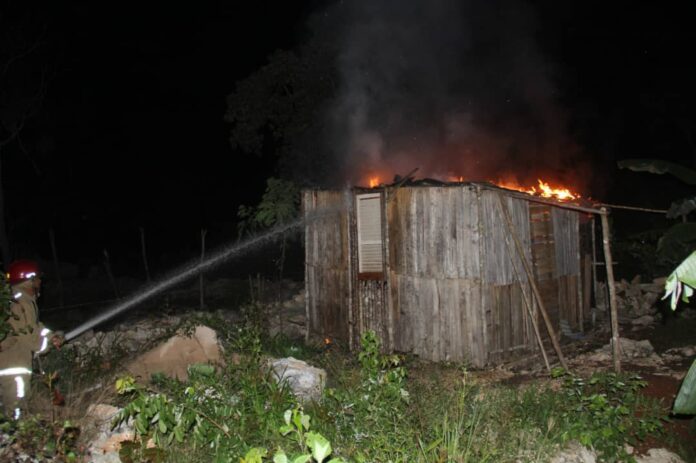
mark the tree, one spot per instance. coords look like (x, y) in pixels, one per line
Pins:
(280, 111)
(676, 243)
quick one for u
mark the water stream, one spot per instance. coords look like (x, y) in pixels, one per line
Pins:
(187, 271)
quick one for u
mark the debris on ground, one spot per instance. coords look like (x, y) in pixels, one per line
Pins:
(637, 302)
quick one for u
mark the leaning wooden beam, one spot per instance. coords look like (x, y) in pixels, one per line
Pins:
(616, 348)
(527, 301)
(530, 276)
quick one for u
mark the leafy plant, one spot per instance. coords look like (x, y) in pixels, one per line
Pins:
(214, 413)
(601, 413)
(314, 446)
(680, 284)
(279, 205)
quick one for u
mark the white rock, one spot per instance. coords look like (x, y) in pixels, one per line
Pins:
(305, 381)
(659, 456)
(105, 443)
(574, 453)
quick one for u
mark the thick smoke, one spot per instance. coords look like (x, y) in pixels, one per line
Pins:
(456, 89)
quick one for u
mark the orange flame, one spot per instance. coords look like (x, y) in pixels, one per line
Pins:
(543, 189)
(547, 191)
(327, 341)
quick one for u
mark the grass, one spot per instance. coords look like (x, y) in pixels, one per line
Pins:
(375, 409)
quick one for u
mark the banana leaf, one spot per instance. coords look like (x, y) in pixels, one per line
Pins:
(681, 284)
(685, 404)
(658, 166)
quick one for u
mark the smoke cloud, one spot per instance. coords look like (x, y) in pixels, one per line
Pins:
(457, 89)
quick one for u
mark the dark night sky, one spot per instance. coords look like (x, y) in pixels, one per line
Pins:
(133, 134)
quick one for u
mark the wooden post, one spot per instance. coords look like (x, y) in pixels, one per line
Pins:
(201, 285)
(587, 283)
(594, 266)
(532, 282)
(527, 302)
(616, 348)
(142, 248)
(56, 265)
(107, 266)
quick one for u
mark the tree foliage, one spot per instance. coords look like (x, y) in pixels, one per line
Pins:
(279, 205)
(280, 110)
(676, 243)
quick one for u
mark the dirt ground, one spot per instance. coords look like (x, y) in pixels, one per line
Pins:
(673, 331)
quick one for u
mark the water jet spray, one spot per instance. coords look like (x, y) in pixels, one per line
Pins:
(184, 272)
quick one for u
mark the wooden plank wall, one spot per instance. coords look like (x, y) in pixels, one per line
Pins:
(434, 273)
(450, 290)
(508, 326)
(326, 264)
(544, 260)
(567, 250)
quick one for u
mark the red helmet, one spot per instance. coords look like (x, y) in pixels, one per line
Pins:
(21, 270)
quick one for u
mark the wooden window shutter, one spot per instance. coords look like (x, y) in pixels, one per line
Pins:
(369, 212)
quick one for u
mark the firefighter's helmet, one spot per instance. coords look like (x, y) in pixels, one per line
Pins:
(21, 270)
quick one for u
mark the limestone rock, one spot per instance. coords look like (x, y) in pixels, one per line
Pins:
(659, 456)
(574, 453)
(633, 349)
(173, 356)
(105, 443)
(305, 381)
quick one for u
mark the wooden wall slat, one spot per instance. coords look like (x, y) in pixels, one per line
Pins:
(451, 292)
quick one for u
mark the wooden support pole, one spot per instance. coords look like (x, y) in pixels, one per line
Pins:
(587, 284)
(56, 265)
(532, 282)
(527, 302)
(109, 273)
(143, 250)
(594, 267)
(616, 348)
(201, 284)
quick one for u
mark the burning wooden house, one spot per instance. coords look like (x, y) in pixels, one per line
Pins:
(434, 270)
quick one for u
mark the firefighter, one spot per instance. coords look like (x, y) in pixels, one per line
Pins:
(29, 338)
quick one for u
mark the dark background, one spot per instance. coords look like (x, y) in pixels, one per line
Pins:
(131, 133)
